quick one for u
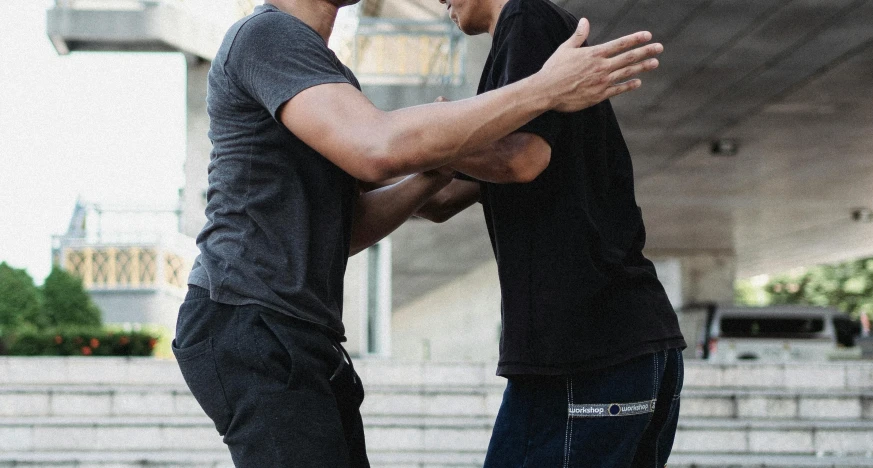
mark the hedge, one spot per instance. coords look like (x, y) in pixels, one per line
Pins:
(94, 342)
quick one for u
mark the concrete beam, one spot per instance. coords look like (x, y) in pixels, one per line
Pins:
(150, 28)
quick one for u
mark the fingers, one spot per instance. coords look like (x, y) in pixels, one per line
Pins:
(621, 44)
(580, 36)
(620, 88)
(634, 56)
(626, 73)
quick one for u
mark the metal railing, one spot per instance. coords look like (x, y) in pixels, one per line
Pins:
(112, 258)
(393, 51)
(124, 267)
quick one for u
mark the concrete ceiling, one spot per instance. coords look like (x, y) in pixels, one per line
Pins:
(791, 82)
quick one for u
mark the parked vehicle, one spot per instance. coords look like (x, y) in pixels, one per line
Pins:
(772, 334)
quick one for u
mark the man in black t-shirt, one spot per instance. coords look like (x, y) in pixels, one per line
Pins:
(258, 337)
(590, 344)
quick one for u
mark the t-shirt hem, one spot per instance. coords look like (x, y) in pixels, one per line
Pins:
(523, 368)
(237, 300)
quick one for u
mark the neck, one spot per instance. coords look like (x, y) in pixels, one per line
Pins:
(317, 14)
(496, 8)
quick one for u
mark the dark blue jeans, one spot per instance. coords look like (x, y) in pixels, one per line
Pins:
(621, 416)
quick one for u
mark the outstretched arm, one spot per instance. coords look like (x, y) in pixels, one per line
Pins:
(379, 212)
(516, 158)
(451, 200)
(343, 125)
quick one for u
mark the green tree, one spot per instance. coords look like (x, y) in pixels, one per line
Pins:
(847, 286)
(66, 303)
(19, 299)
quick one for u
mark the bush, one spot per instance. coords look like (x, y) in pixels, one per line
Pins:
(65, 303)
(19, 299)
(81, 342)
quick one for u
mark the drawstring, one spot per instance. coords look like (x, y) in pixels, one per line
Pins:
(344, 358)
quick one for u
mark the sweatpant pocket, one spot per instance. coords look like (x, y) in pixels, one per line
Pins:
(197, 363)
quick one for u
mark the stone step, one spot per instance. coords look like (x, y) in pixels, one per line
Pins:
(401, 460)
(457, 435)
(108, 459)
(768, 461)
(729, 436)
(107, 401)
(67, 371)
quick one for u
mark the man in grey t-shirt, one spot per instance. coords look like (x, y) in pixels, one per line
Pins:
(258, 337)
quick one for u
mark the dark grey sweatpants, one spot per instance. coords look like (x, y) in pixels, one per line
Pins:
(280, 391)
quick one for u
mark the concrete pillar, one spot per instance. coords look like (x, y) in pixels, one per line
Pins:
(695, 280)
(367, 302)
(193, 197)
(459, 321)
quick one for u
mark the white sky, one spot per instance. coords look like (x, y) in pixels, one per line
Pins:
(104, 126)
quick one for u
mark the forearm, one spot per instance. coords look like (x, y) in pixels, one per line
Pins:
(517, 158)
(451, 200)
(341, 124)
(445, 131)
(379, 212)
(493, 163)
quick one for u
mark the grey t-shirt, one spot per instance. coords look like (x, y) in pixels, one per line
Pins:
(279, 214)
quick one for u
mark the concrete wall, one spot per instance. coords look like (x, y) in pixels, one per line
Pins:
(159, 307)
(391, 97)
(705, 276)
(702, 277)
(461, 320)
(456, 322)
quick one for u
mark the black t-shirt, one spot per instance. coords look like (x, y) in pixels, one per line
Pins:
(577, 292)
(279, 213)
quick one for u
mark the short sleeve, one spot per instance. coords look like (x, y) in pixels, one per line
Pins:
(522, 46)
(276, 56)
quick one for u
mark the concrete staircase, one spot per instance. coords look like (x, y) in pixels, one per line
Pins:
(96, 412)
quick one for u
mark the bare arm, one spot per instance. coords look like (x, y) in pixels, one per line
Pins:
(381, 211)
(516, 158)
(343, 125)
(451, 200)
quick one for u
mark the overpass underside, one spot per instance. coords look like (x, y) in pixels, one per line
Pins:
(779, 90)
(752, 142)
(787, 83)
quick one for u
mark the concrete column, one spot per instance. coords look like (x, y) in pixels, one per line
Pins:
(694, 280)
(193, 197)
(355, 305)
(367, 302)
(459, 321)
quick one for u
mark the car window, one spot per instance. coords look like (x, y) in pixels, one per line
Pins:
(759, 327)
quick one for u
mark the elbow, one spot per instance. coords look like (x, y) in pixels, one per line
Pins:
(527, 169)
(378, 153)
(374, 172)
(382, 160)
(377, 166)
(523, 175)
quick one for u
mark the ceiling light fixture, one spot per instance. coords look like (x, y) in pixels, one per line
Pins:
(862, 215)
(724, 147)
